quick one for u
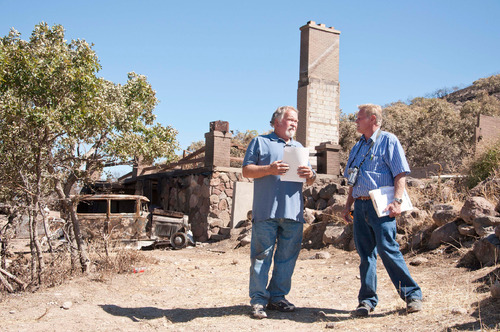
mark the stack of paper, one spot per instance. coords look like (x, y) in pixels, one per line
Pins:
(294, 157)
(383, 196)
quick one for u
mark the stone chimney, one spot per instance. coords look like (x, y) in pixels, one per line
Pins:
(218, 144)
(318, 89)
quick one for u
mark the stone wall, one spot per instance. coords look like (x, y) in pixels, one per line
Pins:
(206, 197)
(486, 131)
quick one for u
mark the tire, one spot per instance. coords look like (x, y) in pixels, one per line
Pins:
(178, 240)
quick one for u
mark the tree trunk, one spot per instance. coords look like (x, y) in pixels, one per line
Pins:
(70, 238)
(32, 248)
(38, 251)
(45, 228)
(84, 259)
(4, 281)
(64, 196)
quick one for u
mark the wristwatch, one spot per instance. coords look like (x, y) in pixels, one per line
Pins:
(398, 200)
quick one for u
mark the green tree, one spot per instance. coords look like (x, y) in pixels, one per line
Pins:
(484, 104)
(61, 124)
(348, 135)
(430, 130)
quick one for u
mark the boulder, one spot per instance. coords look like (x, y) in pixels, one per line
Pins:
(417, 240)
(476, 206)
(328, 191)
(321, 204)
(446, 233)
(442, 217)
(246, 240)
(487, 250)
(332, 232)
(497, 231)
(330, 214)
(466, 230)
(315, 192)
(345, 238)
(309, 215)
(485, 225)
(313, 235)
(309, 202)
(409, 219)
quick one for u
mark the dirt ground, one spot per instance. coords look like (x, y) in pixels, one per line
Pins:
(205, 288)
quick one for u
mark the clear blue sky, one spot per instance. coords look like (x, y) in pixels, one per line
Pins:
(238, 60)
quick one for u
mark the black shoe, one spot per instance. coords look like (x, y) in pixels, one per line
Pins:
(282, 305)
(363, 310)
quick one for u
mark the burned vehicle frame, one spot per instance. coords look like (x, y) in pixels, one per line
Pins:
(123, 218)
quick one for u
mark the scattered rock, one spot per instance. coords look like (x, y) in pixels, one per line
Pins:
(418, 261)
(322, 255)
(66, 305)
(459, 311)
(330, 325)
(246, 240)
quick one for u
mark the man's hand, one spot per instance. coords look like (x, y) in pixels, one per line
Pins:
(278, 167)
(394, 209)
(305, 172)
(346, 214)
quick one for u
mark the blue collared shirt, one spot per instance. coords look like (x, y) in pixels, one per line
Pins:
(383, 163)
(273, 198)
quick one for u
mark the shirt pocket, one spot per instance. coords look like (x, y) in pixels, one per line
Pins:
(375, 163)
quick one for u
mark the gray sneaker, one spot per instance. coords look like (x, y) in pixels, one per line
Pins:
(258, 311)
(363, 310)
(414, 305)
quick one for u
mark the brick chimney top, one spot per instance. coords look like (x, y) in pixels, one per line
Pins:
(320, 26)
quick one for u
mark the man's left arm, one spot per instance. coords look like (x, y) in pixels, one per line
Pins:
(394, 207)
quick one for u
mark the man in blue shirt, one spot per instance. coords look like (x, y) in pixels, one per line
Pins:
(379, 160)
(278, 218)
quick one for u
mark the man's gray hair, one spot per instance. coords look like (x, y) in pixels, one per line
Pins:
(372, 109)
(280, 113)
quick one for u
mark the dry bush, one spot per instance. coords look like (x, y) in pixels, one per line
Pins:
(119, 260)
(58, 267)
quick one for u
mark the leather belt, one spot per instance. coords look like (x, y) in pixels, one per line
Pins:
(364, 198)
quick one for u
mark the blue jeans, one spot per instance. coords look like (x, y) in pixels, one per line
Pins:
(287, 235)
(371, 235)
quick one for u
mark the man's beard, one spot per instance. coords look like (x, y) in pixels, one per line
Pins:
(290, 132)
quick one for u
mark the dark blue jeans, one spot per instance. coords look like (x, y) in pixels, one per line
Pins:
(374, 235)
(286, 236)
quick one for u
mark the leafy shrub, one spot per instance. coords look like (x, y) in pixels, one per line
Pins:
(484, 165)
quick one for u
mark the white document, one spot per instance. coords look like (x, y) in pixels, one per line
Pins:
(294, 157)
(383, 196)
